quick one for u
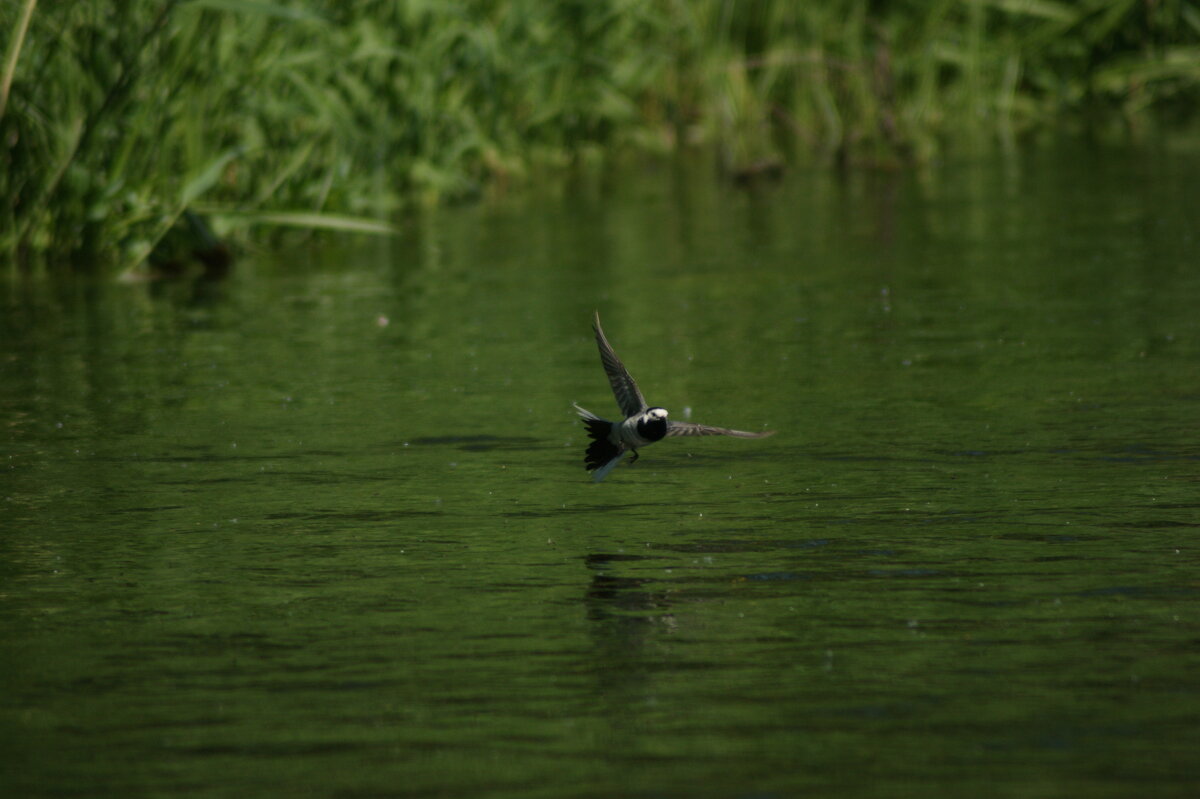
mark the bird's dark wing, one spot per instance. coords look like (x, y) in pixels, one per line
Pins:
(688, 429)
(624, 389)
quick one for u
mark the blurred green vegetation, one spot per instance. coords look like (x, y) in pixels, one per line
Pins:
(127, 126)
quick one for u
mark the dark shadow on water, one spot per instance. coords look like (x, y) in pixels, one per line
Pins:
(588, 510)
(477, 443)
(610, 596)
(627, 624)
(361, 516)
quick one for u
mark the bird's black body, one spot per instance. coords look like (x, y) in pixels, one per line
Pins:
(643, 425)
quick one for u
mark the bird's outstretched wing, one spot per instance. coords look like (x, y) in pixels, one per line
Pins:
(623, 386)
(688, 429)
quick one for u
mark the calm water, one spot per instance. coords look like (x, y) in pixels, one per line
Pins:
(323, 529)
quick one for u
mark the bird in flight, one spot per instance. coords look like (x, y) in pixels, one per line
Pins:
(642, 426)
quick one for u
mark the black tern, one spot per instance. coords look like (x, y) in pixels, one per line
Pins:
(642, 426)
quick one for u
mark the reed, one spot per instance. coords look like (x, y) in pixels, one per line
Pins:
(126, 122)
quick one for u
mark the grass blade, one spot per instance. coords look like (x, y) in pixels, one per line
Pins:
(338, 223)
(14, 53)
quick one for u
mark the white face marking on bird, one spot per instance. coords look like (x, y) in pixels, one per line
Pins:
(657, 413)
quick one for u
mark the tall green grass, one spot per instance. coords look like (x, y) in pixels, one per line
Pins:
(126, 122)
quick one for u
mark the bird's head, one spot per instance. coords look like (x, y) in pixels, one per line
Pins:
(656, 414)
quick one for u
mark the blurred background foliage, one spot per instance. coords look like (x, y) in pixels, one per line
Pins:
(136, 134)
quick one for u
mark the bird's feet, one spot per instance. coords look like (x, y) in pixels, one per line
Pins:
(633, 460)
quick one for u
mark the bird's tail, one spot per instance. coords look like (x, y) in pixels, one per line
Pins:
(602, 454)
(585, 414)
(603, 471)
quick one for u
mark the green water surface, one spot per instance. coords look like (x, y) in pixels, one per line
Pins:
(323, 529)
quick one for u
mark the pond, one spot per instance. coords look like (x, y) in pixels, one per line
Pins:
(323, 528)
